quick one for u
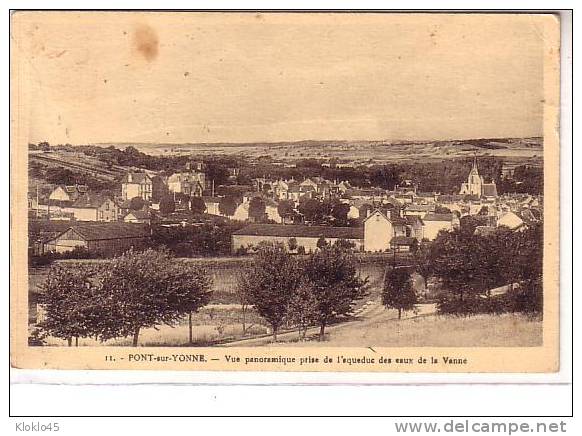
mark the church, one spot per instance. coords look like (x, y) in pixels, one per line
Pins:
(476, 185)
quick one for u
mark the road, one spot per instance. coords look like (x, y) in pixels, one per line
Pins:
(371, 313)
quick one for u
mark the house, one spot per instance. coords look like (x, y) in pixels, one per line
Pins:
(190, 184)
(435, 222)
(305, 236)
(106, 238)
(212, 205)
(379, 229)
(414, 227)
(67, 193)
(93, 207)
(136, 185)
(271, 212)
(138, 216)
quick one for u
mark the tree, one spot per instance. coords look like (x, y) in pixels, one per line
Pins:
(292, 244)
(339, 213)
(243, 296)
(167, 205)
(336, 285)
(286, 210)
(137, 295)
(227, 205)
(196, 293)
(217, 173)
(257, 208)
(271, 282)
(197, 205)
(344, 244)
(398, 292)
(422, 263)
(137, 203)
(321, 243)
(302, 309)
(311, 209)
(70, 297)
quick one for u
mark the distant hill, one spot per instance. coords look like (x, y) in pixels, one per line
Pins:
(355, 151)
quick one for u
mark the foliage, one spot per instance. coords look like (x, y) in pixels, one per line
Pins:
(292, 244)
(227, 205)
(72, 302)
(321, 243)
(75, 253)
(470, 266)
(303, 308)
(167, 205)
(257, 208)
(398, 292)
(197, 205)
(286, 209)
(208, 239)
(138, 296)
(332, 274)
(120, 297)
(271, 282)
(137, 203)
(345, 245)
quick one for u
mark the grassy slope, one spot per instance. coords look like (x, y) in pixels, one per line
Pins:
(509, 330)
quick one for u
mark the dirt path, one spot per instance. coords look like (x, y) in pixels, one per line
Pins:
(370, 314)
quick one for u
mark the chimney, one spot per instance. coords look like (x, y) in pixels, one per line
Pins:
(129, 177)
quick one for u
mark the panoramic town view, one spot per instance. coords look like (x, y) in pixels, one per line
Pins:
(282, 180)
(181, 248)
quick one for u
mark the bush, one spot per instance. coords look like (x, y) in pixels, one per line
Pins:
(527, 300)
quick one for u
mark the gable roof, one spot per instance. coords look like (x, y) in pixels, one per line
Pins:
(290, 231)
(107, 231)
(89, 201)
(413, 220)
(394, 220)
(136, 178)
(139, 214)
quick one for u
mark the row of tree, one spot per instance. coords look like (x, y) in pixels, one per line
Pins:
(470, 265)
(121, 297)
(287, 290)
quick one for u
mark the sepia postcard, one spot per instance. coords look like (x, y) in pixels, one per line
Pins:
(285, 191)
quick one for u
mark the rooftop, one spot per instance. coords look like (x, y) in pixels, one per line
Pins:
(105, 231)
(438, 217)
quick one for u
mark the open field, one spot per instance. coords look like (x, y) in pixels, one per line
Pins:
(520, 149)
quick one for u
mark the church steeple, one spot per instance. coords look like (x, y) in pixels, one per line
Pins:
(474, 169)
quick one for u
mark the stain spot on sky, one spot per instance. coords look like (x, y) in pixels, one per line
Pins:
(145, 40)
(186, 73)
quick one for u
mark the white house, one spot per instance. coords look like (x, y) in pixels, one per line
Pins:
(379, 230)
(242, 211)
(136, 185)
(435, 222)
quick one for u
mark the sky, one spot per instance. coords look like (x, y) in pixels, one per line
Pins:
(192, 77)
